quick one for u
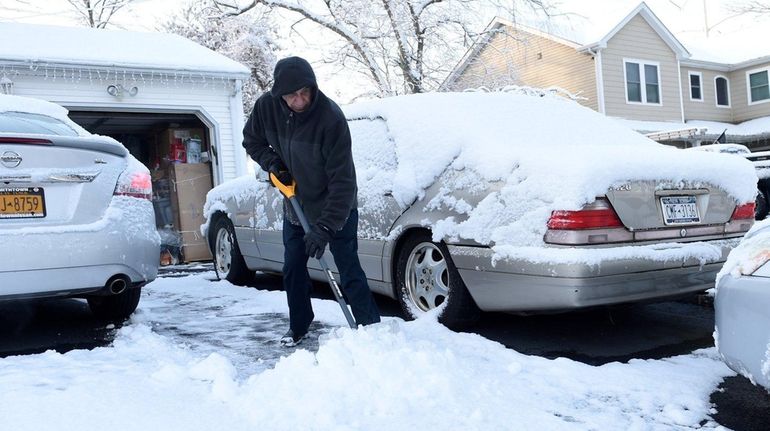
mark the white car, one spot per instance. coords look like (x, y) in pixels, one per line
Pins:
(76, 218)
(742, 307)
(509, 202)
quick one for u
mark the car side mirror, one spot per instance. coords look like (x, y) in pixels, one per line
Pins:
(262, 176)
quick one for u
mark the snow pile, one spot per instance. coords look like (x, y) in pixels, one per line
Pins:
(394, 375)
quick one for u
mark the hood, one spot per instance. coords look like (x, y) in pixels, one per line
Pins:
(291, 74)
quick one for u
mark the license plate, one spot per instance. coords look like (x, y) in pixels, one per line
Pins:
(22, 202)
(679, 209)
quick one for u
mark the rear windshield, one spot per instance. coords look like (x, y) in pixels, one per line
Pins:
(25, 122)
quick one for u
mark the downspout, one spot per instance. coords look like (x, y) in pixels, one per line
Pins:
(599, 78)
(681, 94)
(236, 120)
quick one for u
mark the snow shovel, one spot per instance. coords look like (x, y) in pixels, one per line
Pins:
(288, 191)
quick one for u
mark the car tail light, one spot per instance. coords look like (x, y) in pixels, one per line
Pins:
(743, 211)
(137, 184)
(12, 140)
(597, 215)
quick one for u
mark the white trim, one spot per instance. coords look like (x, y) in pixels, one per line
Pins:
(599, 81)
(681, 98)
(236, 124)
(690, 74)
(642, 81)
(716, 93)
(748, 85)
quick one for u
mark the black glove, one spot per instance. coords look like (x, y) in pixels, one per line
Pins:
(281, 172)
(316, 240)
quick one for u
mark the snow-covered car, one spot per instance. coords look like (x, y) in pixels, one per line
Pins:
(509, 202)
(76, 218)
(742, 307)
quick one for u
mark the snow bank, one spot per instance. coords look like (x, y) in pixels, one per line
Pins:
(394, 375)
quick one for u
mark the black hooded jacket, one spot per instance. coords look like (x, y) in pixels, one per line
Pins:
(314, 145)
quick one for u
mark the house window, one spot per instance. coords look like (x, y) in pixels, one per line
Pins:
(722, 88)
(696, 92)
(759, 87)
(642, 82)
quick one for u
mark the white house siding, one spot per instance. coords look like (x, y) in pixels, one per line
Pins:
(707, 108)
(522, 58)
(637, 40)
(739, 99)
(171, 95)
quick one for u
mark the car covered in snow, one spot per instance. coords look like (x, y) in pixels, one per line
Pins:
(742, 307)
(76, 218)
(509, 201)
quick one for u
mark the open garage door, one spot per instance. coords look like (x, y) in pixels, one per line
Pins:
(177, 150)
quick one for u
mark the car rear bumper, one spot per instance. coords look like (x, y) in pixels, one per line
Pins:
(67, 260)
(743, 326)
(520, 285)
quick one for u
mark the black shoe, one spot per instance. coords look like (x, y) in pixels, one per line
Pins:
(291, 340)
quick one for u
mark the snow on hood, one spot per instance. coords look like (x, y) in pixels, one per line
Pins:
(37, 106)
(550, 153)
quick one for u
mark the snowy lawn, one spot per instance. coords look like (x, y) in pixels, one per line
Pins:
(225, 370)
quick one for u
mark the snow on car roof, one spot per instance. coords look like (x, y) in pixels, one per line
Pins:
(558, 146)
(36, 106)
(548, 152)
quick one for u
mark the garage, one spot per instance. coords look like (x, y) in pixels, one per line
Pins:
(177, 107)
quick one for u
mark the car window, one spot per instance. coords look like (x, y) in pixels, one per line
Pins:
(373, 147)
(26, 122)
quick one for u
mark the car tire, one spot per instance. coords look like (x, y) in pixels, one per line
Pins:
(762, 206)
(228, 260)
(115, 307)
(442, 283)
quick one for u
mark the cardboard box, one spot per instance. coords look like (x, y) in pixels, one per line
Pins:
(168, 136)
(189, 184)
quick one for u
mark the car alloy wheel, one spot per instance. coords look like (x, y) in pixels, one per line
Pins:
(427, 277)
(223, 249)
(228, 261)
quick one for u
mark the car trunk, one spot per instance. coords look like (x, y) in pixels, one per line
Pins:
(59, 181)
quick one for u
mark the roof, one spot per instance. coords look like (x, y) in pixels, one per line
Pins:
(34, 43)
(646, 13)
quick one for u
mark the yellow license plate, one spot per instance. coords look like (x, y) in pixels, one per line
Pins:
(22, 202)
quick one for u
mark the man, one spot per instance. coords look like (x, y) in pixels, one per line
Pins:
(297, 133)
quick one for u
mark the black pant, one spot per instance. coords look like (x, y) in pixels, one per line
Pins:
(296, 280)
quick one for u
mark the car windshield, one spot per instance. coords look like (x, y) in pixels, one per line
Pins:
(25, 122)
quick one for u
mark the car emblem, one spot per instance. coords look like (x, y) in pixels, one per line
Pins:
(10, 159)
(683, 233)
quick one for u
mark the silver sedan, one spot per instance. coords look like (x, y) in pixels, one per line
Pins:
(640, 239)
(76, 218)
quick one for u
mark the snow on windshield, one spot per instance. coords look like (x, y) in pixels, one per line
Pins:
(36, 106)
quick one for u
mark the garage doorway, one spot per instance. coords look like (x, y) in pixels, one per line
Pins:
(176, 148)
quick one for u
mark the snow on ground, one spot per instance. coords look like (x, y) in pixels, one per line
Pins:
(223, 371)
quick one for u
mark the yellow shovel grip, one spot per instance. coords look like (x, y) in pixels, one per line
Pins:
(287, 190)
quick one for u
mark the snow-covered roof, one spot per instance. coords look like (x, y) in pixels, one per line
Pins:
(112, 48)
(755, 127)
(646, 13)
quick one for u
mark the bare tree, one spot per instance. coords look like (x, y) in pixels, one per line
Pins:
(91, 13)
(97, 13)
(248, 39)
(403, 46)
(756, 7)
